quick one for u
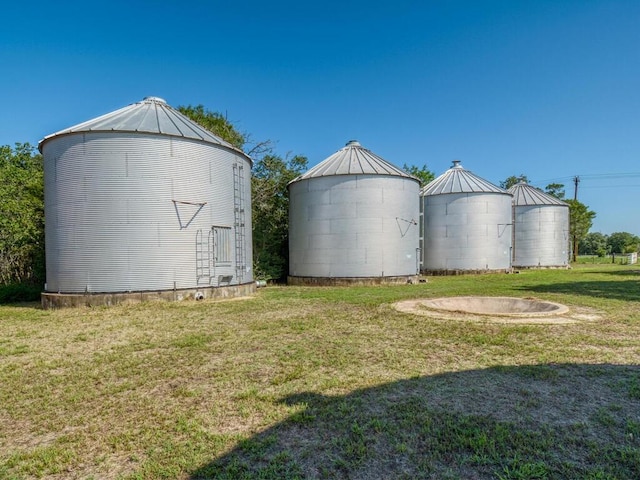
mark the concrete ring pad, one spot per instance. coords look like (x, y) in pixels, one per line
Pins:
(510, 306)
(495, 309)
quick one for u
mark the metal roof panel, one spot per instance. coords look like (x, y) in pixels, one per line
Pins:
(524, 194)
(459, 180)
(353, 159)
(151, 115)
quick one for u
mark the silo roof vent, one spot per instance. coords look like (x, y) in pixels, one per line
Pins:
(526, 195)
(154, 99)
(353, 159)
(459, 180)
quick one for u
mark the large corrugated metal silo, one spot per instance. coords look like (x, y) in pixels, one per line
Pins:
(145, 200)
(466, 224)
(353, 219)
(541, 229)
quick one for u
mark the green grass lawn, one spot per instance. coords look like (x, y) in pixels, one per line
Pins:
(327, 382)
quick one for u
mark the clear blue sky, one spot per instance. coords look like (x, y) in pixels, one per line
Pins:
(549, 89)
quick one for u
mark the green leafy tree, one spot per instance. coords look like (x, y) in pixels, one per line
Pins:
(623, 242)
(421, 173)
(580, 221)
(594, 243)
(216, 123)
(512, 180)
(270, 196)
(21, 215)
(556, 190)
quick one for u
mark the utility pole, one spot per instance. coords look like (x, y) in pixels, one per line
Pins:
(576, 181)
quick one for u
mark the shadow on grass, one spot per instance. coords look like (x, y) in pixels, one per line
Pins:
(634, 272)
(541, 421)
(19, 294)
(615, 290)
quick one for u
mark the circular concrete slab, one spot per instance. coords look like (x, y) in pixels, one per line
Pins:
(497, 310)
(509, 306)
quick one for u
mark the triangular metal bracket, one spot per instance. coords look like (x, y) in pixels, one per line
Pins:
(405, 223)
(197, 204)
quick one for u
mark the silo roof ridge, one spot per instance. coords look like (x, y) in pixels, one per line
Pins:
(459, 180)
(524, 194)
(353, 159)
(151, 115)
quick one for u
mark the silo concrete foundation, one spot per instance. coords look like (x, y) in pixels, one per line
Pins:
(64, 300)
(351, 281)
(436, 273)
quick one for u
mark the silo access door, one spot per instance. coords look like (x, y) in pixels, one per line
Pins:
(211, 252)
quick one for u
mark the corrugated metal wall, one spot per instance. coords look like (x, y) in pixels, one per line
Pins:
(122, 210)
(353, 226)
(541, 236)
(467, 231)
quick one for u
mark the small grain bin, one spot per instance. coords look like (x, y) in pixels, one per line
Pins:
(144, 203)
(541, 229)
(466, 224)
(353, 219)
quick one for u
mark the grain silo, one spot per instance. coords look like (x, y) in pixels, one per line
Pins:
(466, 224)
(143, 203)
(353, 219)
(541, 229)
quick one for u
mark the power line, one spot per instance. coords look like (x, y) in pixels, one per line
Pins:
(609, 186)
(611, 175)
(588, 176)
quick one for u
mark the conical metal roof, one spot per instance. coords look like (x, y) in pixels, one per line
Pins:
(459, 180)
(151, 115)
(524, 195)
(353, 159)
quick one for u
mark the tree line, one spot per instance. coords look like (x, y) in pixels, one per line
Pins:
(600, 244)
(21, 215)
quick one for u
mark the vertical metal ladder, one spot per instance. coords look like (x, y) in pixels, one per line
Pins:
(203, 257)
(239, 220)
(420, 249)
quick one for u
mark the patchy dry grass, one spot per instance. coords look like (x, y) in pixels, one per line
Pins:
(327, 383)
